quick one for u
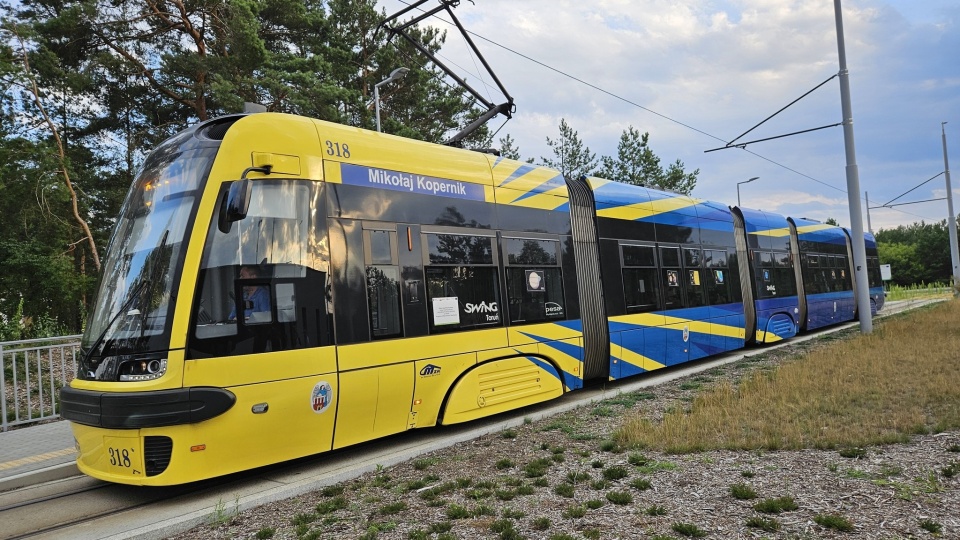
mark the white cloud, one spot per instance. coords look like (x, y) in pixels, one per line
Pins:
(721, 66)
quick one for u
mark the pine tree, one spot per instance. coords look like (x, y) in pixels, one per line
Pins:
(571, 157)
(637, 164)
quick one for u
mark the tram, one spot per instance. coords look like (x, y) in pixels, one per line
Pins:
(278, 286)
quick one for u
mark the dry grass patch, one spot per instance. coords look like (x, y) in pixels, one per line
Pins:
(865, 390)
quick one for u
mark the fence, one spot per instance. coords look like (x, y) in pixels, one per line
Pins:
(31, 374)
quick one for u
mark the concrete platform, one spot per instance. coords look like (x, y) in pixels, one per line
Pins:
(36, 454)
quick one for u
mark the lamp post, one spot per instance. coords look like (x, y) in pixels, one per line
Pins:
(394, 75)
(744, 182)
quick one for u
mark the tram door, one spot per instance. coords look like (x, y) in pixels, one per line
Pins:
(379, 280)
(261, 328)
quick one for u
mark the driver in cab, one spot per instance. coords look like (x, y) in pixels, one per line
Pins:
(256, 299)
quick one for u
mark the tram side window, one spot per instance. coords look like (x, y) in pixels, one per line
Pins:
(261, 285)
(785, 277)
(766, 284)
(845, 283)
(717, 277)
(672, 280)
(640, 278)
(461, 282)
(534, 280)
(694, 276)
(383, 283)
(873, 272)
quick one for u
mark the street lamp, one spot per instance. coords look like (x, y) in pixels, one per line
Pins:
(744, 182)
(394, 75)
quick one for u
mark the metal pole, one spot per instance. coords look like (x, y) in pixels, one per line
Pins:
(853, 185)
(867, 197)
(376, 103)
(951, 218)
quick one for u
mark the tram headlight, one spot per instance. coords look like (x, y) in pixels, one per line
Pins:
(143, 369)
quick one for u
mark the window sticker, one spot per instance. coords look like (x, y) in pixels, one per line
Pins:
(695, 278)
(718, 276)
(766, 275)
(535, 281)
(446, 310)
(553, 309)
(673, 278)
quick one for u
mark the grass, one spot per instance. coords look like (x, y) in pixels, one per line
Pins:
(688, 529)
(776, 506)
(619, 497)
(742, 492)
(917, 291)
(764, 524)
(833, 521)
(849, 394)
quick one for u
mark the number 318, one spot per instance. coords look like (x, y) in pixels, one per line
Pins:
(337, 149)
(119, 457)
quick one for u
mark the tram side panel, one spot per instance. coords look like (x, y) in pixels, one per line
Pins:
(539, 270)
(877, 294)
(670, 299)
(769, 269)
(826, 267)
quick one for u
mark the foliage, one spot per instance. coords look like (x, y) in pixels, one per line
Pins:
(637, 164)
(570, 156)
(916, 253)
(119, 77)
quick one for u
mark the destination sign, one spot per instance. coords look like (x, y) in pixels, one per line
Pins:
(372, 177)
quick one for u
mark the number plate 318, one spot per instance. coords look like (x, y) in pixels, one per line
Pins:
(122, 455)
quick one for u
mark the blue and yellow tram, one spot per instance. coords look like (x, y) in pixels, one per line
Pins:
(278, 286)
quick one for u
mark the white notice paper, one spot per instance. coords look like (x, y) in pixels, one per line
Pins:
(446, 310)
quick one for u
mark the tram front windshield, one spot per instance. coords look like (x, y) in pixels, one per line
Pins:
(133, 308)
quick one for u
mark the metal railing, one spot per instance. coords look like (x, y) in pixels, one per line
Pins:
(32, 372)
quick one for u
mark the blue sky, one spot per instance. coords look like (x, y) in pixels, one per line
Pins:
(721, 66)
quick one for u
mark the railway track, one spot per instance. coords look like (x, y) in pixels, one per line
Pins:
(80, 508)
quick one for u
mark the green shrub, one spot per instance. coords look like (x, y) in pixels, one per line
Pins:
(393, 508)
(776, 506)
(575, 477)
(764, 524)
(510, 513)
(575, 512)
(615, 473)
(656, 510)
(853, 452)
(688, 529)
(504, 464)
(833, 521)
(951, 470)
(641, 484)
(564, 490)
(541, 524)
(619, 497)
(440, 527)
(265, 533)
(931, 526)
(455, 511)
(742, 492)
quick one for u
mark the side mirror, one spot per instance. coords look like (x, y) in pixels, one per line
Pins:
(237, 200)
(235, 204)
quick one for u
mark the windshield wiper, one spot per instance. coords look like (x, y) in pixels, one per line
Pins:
(123, 308)
(144, 313)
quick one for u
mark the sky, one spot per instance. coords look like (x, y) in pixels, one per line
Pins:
(695, 74)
